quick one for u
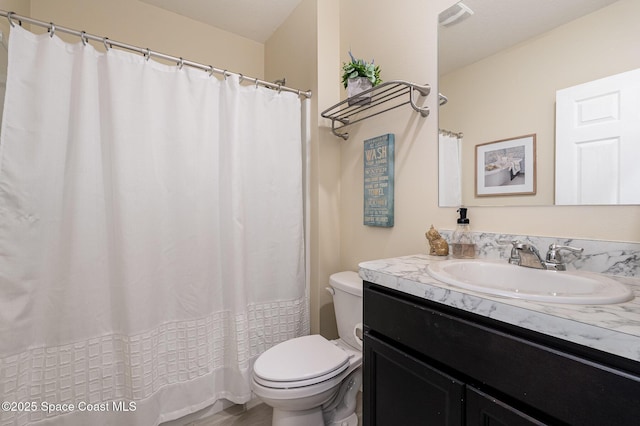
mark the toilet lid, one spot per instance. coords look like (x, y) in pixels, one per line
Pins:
(301, 359)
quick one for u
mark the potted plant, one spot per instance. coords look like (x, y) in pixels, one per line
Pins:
(358, 76)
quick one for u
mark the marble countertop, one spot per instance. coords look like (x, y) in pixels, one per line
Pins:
(610, 328)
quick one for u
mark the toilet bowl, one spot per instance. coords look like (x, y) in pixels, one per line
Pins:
(312, 381)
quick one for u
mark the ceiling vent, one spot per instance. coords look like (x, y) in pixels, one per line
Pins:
(454, 15)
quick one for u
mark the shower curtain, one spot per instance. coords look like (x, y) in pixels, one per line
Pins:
(151, 235)
(449, 169)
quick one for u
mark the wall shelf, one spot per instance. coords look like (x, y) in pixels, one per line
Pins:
(384, 97)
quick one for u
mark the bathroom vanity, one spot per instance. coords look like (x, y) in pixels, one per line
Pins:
(439, 355)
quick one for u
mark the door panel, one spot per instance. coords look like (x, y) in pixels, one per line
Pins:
(598, 141)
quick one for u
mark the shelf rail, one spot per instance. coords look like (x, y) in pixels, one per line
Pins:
(378, 103)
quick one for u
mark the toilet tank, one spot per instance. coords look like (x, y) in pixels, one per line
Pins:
(347, 301)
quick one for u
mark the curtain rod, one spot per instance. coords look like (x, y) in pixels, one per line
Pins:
(450, 133)
(84, 36)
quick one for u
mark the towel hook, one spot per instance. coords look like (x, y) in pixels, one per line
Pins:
(104, 41)
(83, 38)
(9, 14)
(52, 29)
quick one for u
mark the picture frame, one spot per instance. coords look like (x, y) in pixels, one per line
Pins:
(379, 160)
(506, 167)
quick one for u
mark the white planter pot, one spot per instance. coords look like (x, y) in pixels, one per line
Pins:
(355, 86)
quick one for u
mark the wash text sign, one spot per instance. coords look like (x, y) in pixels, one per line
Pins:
(378, 180)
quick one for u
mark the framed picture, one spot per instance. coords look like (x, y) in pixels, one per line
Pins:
(378, 181)
(506, 167)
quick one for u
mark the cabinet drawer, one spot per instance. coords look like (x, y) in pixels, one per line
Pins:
(541, 379)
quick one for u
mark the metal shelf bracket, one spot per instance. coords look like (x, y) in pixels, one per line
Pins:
(383, 97)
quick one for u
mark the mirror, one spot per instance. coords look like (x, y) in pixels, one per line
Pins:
(500, 68)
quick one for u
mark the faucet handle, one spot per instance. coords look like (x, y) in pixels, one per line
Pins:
(506, 242)
(514, 257)
(553, 255)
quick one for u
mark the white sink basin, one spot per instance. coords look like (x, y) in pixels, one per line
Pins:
(500, 278)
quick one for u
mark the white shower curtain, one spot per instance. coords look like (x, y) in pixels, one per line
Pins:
(151, 235)
(449, 170)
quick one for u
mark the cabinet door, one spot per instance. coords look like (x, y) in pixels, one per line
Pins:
(402, 390)
(557, 380)
(484, 410)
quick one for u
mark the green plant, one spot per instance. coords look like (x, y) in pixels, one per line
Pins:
(360, 68)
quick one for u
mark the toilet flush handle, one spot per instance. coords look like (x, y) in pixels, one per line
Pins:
(358, 338)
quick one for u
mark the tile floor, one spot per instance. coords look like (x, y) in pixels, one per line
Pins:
(260, 415)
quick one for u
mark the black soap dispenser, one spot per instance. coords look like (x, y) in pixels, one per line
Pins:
(462, 245)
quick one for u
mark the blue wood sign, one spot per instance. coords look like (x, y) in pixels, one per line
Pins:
(378, 180)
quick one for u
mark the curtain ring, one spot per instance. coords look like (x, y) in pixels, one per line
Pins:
(83, 38)
(210, 70)
(9, 14)
(104, 41)
(224, 74)
(180, 63)
(241, 78)
(279, 88)
(147, 54)
(52, 29)
(256, 83)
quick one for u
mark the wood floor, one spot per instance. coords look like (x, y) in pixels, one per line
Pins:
(260, 415)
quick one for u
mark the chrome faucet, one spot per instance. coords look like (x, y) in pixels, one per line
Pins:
(554, 260)
(523, 254)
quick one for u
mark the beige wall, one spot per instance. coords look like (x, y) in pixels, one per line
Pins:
(402, 39)
(513, 92)
(309, 50)
(404, 43)
(326, 177)
(305, 50)
(144, 25)
(21, 7)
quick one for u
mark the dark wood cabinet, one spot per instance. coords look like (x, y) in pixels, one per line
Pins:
(429, 397)
(485, 410)
(426, 363)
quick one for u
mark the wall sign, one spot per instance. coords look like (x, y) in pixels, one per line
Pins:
(378, 180)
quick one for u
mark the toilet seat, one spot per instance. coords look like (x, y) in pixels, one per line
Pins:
(300, 362)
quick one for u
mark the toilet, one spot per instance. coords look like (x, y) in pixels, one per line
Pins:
(312, 381)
